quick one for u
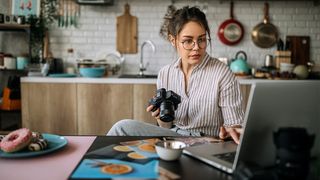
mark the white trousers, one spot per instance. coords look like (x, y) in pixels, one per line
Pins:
(129, 127)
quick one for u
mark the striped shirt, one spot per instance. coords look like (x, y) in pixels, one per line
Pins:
(213, 97)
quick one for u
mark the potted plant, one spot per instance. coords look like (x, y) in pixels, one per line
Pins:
(39, 26)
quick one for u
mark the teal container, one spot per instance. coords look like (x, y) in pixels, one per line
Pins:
(22, 62)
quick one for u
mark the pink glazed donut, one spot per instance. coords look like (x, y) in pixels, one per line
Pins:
(16, 140)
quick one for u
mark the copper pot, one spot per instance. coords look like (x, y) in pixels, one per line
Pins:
(265, 34)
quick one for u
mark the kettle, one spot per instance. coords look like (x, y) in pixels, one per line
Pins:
(239, 64)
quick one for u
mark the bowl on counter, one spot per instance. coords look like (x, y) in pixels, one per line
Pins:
(170, 150)
(286, 67)
(92, 71)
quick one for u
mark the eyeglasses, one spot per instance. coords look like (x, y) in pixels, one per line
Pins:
(189, 44)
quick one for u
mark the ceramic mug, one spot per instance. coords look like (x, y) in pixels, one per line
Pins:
(22, 62)
(9, 62)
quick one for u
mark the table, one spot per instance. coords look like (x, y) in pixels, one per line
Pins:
(60, 164)
(54, 166)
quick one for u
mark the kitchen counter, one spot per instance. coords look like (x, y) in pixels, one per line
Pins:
(116, 80)
(79, 80)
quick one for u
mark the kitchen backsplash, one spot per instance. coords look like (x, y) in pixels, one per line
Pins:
(96, 32)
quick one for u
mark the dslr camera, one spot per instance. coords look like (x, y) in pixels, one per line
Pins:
(168, 102)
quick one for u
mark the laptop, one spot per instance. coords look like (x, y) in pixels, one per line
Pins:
(271, 105)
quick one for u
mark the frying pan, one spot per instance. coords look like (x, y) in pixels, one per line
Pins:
(230, 31)
(265, 34)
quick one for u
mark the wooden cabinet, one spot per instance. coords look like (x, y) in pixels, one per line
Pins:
(86, 108)
(102, 105)
(49, 107)
(141, 96)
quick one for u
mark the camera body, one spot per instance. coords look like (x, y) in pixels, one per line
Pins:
(168, 102)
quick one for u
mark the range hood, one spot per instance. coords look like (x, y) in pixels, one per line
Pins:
(95, 2)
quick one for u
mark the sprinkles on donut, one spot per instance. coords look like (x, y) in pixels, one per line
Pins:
(16, 140)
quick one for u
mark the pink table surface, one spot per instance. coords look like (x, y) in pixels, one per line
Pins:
(56, 165)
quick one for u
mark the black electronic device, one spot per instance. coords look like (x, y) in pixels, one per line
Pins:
(168, 102)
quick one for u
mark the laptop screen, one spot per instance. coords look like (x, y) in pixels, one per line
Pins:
(272, 105)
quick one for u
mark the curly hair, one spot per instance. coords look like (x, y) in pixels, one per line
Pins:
(184, 15)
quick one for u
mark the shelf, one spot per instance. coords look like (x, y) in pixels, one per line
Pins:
(14, 70)
(14, 27)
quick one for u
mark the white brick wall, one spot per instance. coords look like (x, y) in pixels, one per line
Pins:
(97, 29)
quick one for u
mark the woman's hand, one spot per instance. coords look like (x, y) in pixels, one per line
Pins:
(234, 132)
(156, 115)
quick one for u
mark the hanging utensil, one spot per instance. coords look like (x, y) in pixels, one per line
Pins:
(59, 13)
(71, 13)
(230, 31)
(127, 32)
(66, 13)
(265, 34)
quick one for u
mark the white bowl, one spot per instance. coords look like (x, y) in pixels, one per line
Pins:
(286, 67)
(169, 150)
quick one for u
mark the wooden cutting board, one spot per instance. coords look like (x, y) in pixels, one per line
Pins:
(127, 32)
(300, 49)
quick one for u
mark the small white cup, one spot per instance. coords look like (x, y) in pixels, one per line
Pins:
(170, 150)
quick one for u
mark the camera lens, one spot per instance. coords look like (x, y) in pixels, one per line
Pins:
(167, 111)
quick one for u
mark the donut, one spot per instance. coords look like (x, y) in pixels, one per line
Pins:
(1, 137)
(38, 145)
(16, 140)
(36, 136)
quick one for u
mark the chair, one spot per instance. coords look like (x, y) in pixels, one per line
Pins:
(11, 99)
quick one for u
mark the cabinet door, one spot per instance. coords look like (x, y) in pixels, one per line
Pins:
(49, 107)
(141, 95)
(102, 105)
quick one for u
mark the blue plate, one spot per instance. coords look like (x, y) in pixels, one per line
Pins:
(55, 142)
(62, 75)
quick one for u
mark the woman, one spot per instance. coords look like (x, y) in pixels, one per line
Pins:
(210, 95)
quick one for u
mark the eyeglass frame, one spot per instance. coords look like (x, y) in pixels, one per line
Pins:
(194, 44)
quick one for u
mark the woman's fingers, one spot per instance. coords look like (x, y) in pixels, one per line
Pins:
(223, 133)
(149, 108)
(234, 133)
(155, 113)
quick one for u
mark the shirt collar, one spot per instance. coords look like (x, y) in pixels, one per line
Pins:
(206, 57)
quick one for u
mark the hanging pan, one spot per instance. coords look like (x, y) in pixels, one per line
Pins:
(230, 31)
(265, 34)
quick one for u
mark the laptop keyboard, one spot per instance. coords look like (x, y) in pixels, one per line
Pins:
(229, 157)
